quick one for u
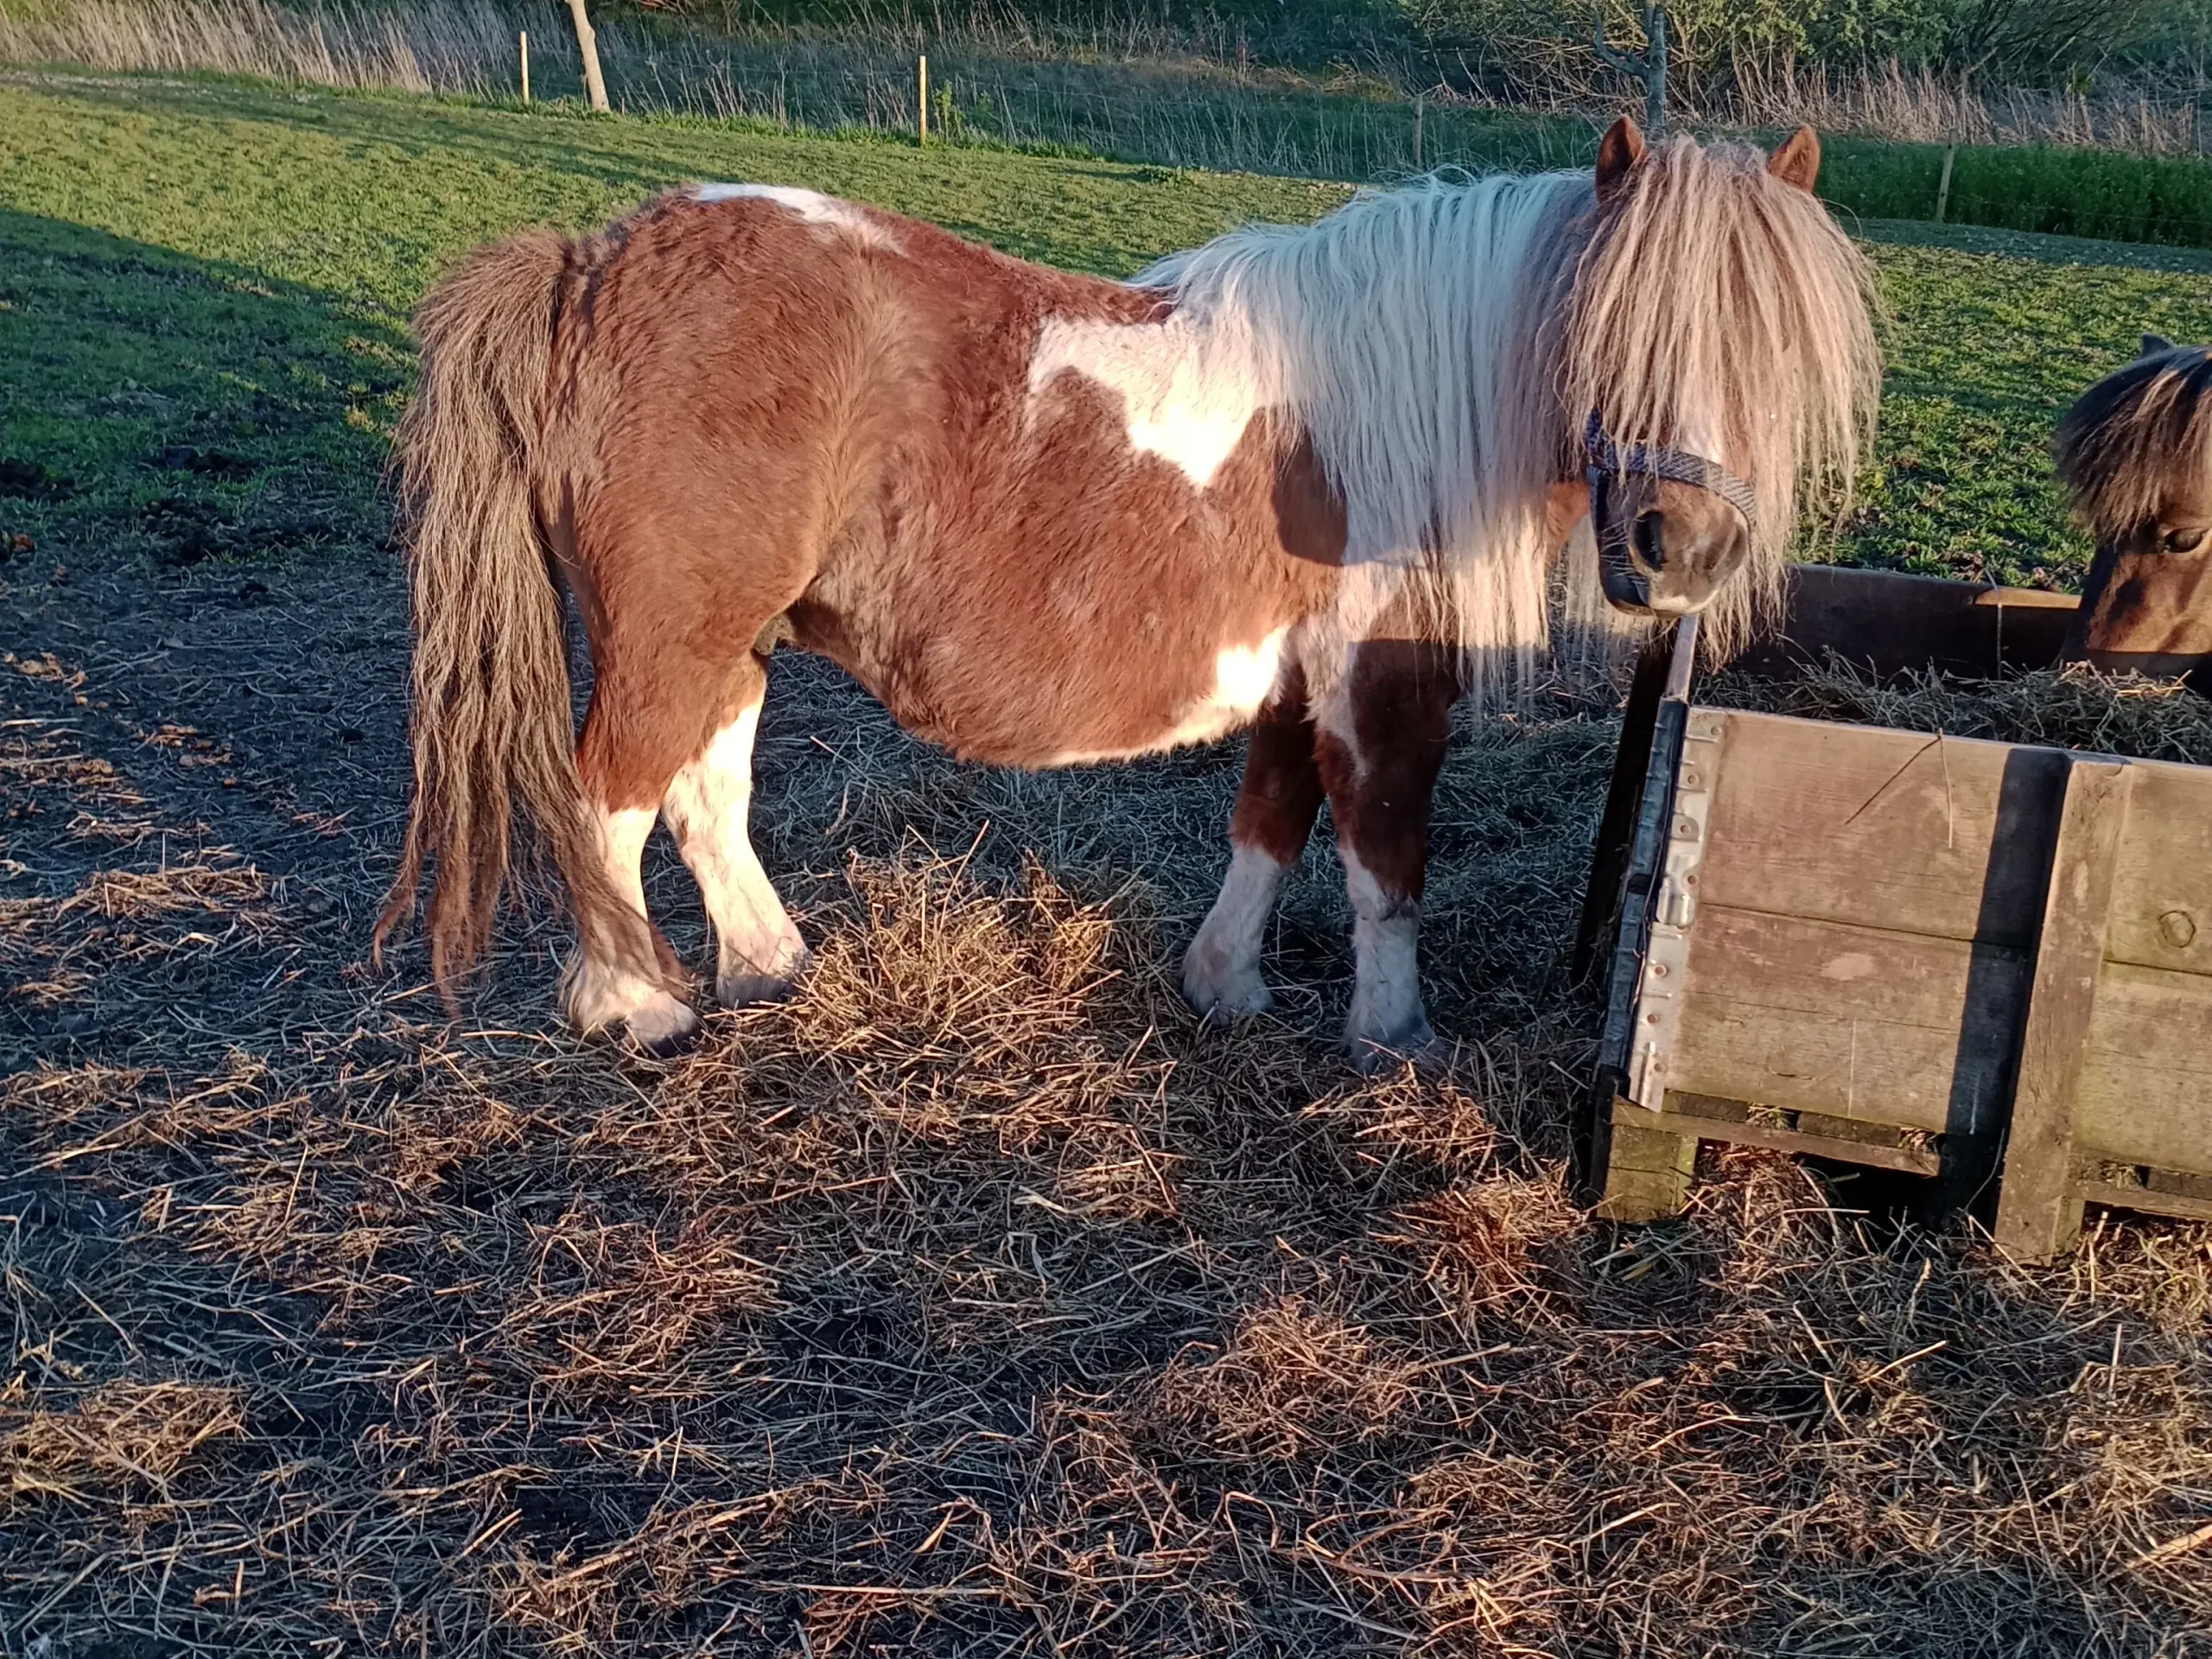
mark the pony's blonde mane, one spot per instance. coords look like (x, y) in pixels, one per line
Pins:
(2119, 447)
(1441, 341)
(1398, 332)
(1714, 295)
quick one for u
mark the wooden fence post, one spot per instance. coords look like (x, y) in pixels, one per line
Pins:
(1416, 132)
(922, 100)
(522, 42)
(588, 43)
(1943, 189)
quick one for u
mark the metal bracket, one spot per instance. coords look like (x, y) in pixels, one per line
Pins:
(1667, 958)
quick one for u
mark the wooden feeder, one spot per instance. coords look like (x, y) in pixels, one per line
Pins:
(1935, 955)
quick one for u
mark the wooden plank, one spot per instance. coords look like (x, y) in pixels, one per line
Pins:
(2146, 1081)
(1887, 624)
(1908, 1160)
(2038, 1210)
(1943, 836)
(2162, 891)
(1866, 1024)
(2144, 1198)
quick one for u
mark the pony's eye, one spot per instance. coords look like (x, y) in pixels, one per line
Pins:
(2185, 540)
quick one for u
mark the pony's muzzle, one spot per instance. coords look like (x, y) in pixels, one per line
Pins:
(1672, 525)
(1667, 548)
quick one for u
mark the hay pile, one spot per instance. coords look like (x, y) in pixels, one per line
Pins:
(976, 1303)
(2072, 707)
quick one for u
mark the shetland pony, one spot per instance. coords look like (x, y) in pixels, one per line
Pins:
(1309, 482)
(2136, 452)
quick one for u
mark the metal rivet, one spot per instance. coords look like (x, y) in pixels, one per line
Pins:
(2178, 929)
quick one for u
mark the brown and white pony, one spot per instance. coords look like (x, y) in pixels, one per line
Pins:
(2136, 451)
(1313, 482)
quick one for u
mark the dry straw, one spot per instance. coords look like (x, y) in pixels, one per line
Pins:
(974, 1302)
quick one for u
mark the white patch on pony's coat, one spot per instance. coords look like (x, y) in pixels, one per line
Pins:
(809, 205)
(595, 994)
(758, 950)
(1187, 411)
(1243, 679)
(1386, 1017)
(1221, 971)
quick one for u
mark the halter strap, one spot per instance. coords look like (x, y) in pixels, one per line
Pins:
(1605, 459)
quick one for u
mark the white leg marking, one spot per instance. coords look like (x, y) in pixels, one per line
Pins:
(1386, 1019)
(758, 952)
(1221, 971)
(596, 992)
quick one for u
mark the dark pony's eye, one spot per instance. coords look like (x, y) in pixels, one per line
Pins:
(2184, 540)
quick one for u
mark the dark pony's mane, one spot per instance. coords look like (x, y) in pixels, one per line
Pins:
(2120, 447)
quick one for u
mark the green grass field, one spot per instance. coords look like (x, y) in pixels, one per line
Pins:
(203, 288)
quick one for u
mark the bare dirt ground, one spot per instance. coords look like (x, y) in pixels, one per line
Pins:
(972, 1302)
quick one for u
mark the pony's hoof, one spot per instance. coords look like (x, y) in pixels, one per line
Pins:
(743, 985)
(1378, 1056)
(664, 1027)
(744, 990)
(1218, 994)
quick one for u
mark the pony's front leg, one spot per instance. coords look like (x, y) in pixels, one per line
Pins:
(1276, 806)
(1382, 739)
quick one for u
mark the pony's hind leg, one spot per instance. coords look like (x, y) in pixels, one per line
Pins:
(623, 970)
(1381, 742)
(1276, 802)
(758, 952)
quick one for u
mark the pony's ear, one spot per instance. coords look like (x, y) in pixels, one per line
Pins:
(1797, 159)
(2156, 345)
(1618, 151)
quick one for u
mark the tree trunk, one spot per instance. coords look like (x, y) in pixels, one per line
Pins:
(588, 43)
(1655, 69)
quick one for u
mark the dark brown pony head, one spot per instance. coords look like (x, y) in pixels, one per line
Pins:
(1721, 362)
(2136, 451)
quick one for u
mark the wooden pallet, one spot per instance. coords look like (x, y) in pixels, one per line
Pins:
(1930, 955)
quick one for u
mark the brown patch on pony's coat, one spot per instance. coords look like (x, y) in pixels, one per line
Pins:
(1381, 775)
(1279, 794)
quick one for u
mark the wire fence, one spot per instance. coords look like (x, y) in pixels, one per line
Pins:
(1176, 112)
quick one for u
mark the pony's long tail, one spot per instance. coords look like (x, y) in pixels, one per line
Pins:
(491, 722)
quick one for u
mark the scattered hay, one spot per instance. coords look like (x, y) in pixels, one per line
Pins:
(976, 1301)
(2077, 706)
(121, 1435)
